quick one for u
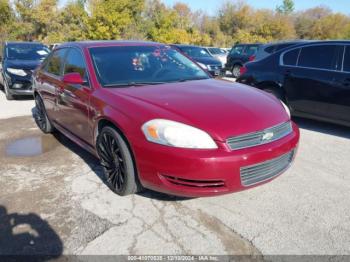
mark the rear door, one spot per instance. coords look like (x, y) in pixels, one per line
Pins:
(48, 81)
(309, 82)
(235, 56)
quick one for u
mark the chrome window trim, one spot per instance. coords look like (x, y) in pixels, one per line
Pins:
(345, 45)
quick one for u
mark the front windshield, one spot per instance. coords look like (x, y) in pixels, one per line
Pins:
(27, 52)
(132, 65)
(216, 51)
(193, 51)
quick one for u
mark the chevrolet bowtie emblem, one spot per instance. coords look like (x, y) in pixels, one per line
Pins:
(267, 136)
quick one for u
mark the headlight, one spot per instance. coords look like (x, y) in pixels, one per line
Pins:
(286, 108)
(171, 133)
(15, 71)
(203, 66)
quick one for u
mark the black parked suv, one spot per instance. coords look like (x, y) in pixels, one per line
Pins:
(202, 57)
(18, 61)
(312, 78)
(239, 55)
(271, 48)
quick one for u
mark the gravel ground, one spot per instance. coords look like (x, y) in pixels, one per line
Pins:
(53, 200)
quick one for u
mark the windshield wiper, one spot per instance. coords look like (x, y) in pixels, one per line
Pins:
(129, 84)
(191, 79)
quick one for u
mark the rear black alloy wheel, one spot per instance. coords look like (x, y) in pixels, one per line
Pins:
(117, 162)
(236, 71)
(40, 116)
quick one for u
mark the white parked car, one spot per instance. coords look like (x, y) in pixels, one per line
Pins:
(218, 53)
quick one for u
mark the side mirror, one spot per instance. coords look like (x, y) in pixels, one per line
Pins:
(73, 79)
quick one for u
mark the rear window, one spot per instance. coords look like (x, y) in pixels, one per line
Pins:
(270, 49)
(321, 57)
(347, 59)
(290, 58)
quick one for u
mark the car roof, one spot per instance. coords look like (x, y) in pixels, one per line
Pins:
(89, 44)
(21, 42)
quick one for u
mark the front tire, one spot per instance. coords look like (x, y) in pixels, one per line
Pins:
(9, 96)
(117, 162)
(41, 117)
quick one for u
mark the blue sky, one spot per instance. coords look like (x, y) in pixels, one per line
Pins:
(211, 6)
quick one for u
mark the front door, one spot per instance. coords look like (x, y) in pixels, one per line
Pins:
(73, 100)
(309, 84)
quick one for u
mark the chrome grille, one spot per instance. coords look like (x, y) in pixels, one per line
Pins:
(214, 67)
(251, 175)
(261, 137)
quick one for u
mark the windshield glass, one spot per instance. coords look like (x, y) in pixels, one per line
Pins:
(216, 51)
(27, 51)
(193, 51)
(132, 65)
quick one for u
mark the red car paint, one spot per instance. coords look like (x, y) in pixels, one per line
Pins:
(221, 109)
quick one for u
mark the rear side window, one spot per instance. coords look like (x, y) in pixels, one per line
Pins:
(347, 59)
(75, 63)
(322, 57)
(290, 58)
(237, 50)
(55, 62)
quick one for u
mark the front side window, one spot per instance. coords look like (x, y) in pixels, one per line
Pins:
(27, 52)
(346, 66)
(55, 62)
(321, 57)
(128, 65)
(75, 63)
(290, 58)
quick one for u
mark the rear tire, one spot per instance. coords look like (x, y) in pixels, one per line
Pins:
(41, 117)
(236, 71)
(117, 162)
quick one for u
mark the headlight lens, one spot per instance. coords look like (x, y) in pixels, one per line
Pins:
(15, 71)
(203, 66)
(286, 108)
(171, 133)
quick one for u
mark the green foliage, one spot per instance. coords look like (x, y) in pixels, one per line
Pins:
(235, 21)
(286, 8)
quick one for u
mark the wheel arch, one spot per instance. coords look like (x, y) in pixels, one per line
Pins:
(105, 121)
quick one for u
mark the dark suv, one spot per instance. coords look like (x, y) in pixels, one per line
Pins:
(312, 78)
(239, 55)
(18, 61)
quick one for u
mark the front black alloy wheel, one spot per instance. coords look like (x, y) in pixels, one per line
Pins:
(40, 116)
(117, 162)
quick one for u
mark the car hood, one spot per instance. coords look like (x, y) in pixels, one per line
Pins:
(23, 64)
(207, 60)
(221, 108)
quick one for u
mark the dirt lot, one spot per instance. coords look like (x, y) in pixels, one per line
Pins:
(53, 199)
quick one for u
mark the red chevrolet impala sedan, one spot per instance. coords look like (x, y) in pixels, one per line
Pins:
(156, 120)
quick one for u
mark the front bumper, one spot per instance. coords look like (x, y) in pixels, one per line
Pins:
(199, 173)
(18, 85)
